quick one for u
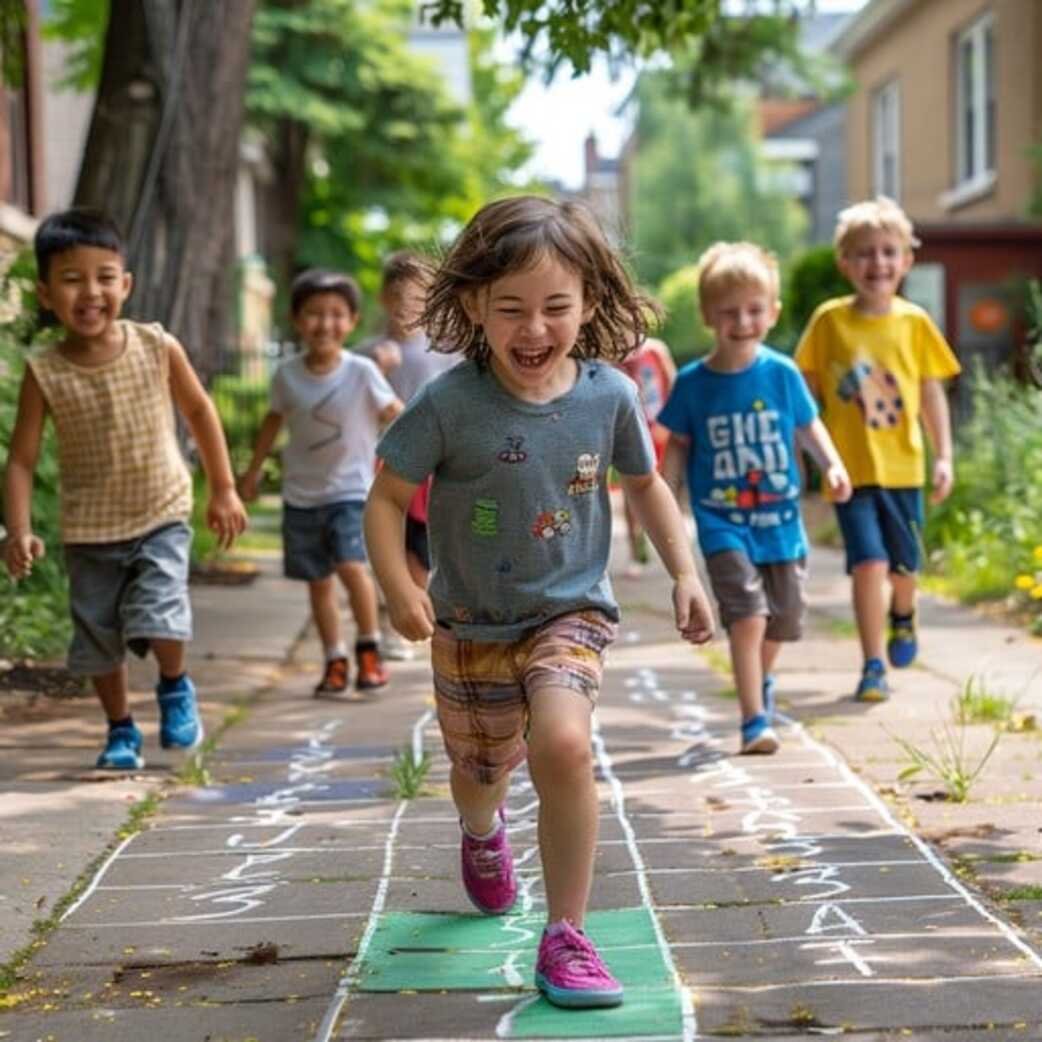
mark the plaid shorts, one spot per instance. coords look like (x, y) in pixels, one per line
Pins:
(482, 687)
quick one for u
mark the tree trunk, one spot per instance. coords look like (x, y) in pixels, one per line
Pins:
(288, 155)
(162, 157)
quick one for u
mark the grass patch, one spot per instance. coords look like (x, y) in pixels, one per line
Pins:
(827, 534)
(946, 759)
(842, 628)
(1022, 893)
(717, 660)
(408, 773)
(195, 770)
(975, 704)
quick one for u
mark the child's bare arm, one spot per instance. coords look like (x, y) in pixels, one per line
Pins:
(674, 462)
(408, 605)
(225, 514)
(390, 412)
(815, 438)
(658, 513)
(269, 431)
(21, 547)
(937, 421)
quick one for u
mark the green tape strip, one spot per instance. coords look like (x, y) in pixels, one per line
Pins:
(426, 952)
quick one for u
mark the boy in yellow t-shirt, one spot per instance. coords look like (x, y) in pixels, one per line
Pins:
(876, 364)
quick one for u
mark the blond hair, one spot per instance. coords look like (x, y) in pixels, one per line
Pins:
(879, 215)
(726, 266)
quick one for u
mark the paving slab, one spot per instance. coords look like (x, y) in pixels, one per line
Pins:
(296, 898)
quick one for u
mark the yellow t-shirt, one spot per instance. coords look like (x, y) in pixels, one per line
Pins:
(869, 370)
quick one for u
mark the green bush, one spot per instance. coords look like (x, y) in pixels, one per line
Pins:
(987, 536)
(241, 404)
(683, 329)
(34, 620)
(811, 279)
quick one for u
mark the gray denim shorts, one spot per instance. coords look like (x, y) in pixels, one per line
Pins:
(316, 539)
(744, 589)
(122, 595)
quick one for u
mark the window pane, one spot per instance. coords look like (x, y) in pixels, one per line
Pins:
(989, 114)
(968, 163)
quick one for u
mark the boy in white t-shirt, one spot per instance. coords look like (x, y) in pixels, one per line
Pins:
(334, 403)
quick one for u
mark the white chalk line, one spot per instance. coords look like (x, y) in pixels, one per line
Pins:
(179, 923)
(350, 975)
(924, 848)
(96, 881)
(689, 1020)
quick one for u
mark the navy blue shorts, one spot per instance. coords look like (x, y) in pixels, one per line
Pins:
(316, 539)
(883, 524)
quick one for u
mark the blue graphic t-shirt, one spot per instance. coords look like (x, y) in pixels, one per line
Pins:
(742, 469)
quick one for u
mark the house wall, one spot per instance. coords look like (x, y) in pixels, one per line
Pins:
(917, 48)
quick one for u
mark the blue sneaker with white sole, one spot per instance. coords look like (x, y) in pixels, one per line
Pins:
(758, 736)
(122, 750)
(180, 726)
(873, 686)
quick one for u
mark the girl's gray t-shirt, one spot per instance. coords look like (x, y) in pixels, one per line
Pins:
(520, 515)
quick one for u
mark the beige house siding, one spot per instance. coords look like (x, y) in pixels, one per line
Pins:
(918, 50)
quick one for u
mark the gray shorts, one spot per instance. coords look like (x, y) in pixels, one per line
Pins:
(122, 595)
(316, 539)
(744, 589)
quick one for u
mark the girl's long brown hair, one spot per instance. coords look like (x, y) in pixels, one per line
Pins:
(514, 234)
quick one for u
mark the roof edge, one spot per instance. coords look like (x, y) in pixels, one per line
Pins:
(874, 18)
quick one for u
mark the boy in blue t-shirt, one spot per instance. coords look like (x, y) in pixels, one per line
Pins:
(736, 418)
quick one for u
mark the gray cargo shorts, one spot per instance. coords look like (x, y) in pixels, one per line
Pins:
(125, 594)
(744, 589)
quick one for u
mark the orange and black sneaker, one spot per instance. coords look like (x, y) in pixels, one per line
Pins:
(372, 673)
(334, 679)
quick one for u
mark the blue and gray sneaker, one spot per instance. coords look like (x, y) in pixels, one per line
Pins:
(122, 750)
(768, 697)
(180, 726)
(873, 686)
(758, 736)
(902, 645)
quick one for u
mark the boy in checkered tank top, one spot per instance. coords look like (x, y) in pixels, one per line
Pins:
(110, 387)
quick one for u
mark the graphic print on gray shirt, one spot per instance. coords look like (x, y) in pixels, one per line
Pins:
(520, 514)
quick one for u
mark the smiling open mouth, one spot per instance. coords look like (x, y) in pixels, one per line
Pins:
(531, 359)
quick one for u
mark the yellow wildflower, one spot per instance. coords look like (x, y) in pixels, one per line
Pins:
(1038, 553)
(1036, 592)
(1024, 582)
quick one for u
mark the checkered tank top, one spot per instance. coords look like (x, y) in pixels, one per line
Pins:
(121, 472)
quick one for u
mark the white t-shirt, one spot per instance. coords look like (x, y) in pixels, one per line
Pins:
(419, 363)
(334, 423)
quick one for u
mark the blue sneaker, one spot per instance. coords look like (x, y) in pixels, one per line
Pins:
(873, 686)
(122, 750)
(768, 697)
(902, 645)
(758, 736)
(179, 724)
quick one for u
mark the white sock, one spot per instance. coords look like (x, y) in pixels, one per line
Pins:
(336, 651)
(488, 835)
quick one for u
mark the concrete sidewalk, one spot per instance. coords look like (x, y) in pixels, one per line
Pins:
(296, 897)
(58, 815)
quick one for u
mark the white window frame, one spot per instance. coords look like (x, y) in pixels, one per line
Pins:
(886, 140)
(974, 167)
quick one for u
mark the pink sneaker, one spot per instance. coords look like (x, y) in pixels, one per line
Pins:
(488, 870)
(570, 973)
